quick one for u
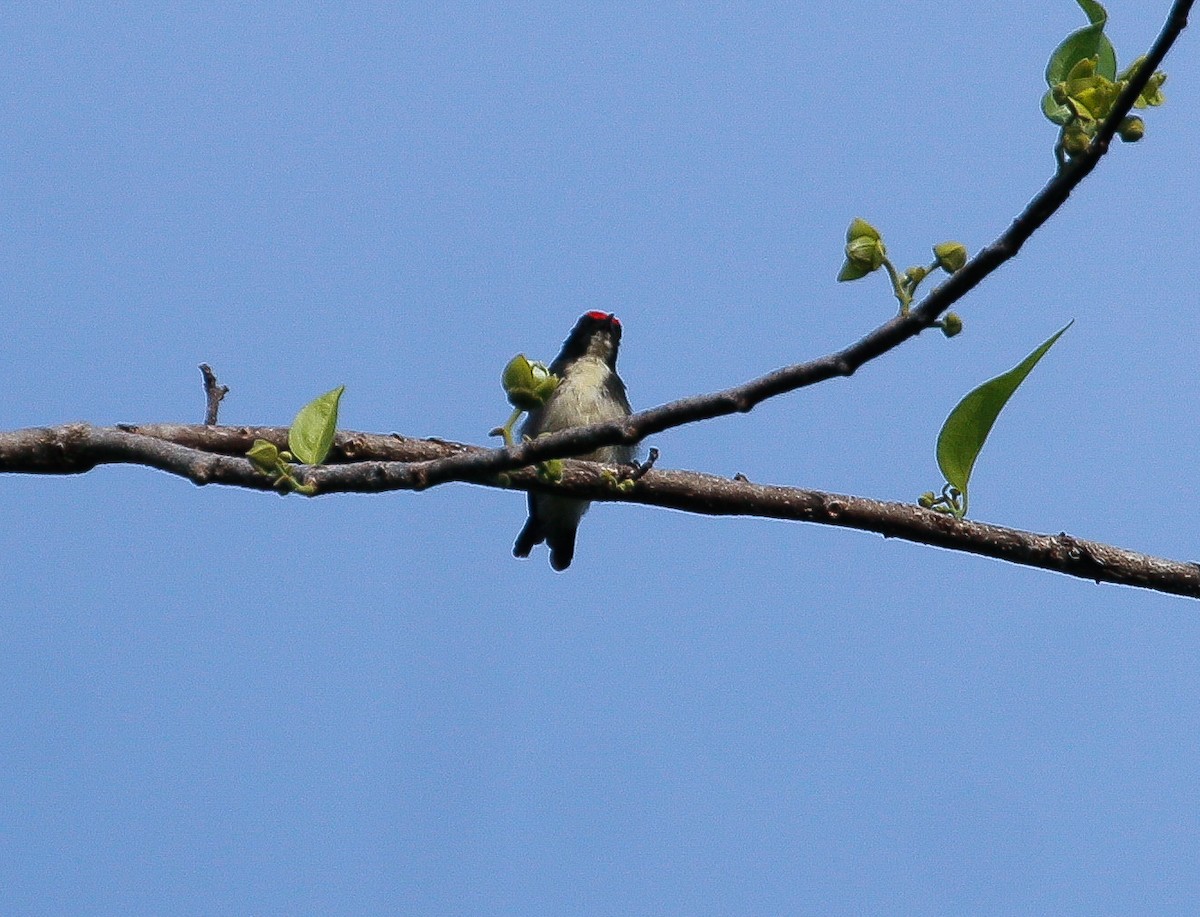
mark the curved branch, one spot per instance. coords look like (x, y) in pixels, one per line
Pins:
(891, 334)
(367, 463)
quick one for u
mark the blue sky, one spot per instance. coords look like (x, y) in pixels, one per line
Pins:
(224, 702)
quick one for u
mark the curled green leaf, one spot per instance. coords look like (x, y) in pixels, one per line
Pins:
(1152, 95)
(967, 428)
(311, 435)
(518, 373)
(264, 455)
(1086, 43)
(865, 252)
(1090, 41)
(527, 384)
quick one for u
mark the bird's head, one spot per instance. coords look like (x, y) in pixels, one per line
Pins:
(596, 335)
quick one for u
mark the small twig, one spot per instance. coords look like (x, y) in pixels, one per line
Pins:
(213, 393)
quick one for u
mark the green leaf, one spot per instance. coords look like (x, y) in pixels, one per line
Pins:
(1090, 41)
(518, 374)
(1152, 95)
(527, 384)
(1094, 11)
(312, 432)
(967, 428)
(264, 455)
(1059, 114)
(861, 229)
(851, 271)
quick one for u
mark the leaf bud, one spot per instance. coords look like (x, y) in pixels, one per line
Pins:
(866, 253)
(951, 256)
(1083, 69)
(1152, 94)
(1075, 140)
(864, 250)
(264, 455)
(1132, 129)
(861, 229)
(550, 470)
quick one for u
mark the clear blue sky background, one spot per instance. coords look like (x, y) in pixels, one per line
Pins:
(214, 701)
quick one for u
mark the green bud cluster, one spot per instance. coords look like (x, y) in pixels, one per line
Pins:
(866, 253)
(1079, 100)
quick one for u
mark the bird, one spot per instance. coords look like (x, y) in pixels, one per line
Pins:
(589, 391)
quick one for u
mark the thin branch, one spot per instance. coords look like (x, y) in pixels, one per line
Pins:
(213, 393)
(367, 463)
(891, 334)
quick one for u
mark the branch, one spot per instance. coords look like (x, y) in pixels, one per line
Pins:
(743, 398)
(367, 463)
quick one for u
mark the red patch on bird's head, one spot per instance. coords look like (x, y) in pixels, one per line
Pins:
(603, 317)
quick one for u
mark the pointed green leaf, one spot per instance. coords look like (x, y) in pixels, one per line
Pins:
(1094, 11)
(851, 271)
(967, 428)
(312, 432)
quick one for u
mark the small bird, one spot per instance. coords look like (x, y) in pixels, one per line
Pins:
(589, 391)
